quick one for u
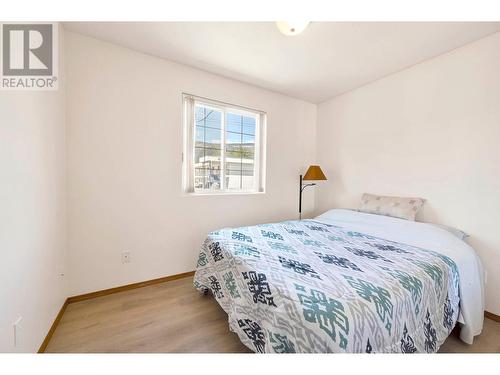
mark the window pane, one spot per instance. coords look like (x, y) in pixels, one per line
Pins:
(213, 119)
(247, 182)
(233, 123)
(233, 177)
(199, 178)
(242, 152)
(212, 180)
(247, 154)
(207, 148)
(199, 154)
(199, 135)
(206, 156)
(207, 164)
(199, 113)
(215, 145)
(212, 138)
(237, 179)
(238, 142)
(207, 117)
(249, 125)
(207, 179)
(233, 137)
(248, 140)
(239, 151)
(207, 137)
(247, 169)
(233, 151)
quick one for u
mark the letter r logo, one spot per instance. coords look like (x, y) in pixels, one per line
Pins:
(27, 49)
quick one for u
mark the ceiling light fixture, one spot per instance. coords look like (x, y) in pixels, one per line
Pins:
(292, 28)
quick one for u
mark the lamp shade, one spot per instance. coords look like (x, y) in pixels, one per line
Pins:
(314, 172)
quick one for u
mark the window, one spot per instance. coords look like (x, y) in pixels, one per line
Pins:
(223, 148)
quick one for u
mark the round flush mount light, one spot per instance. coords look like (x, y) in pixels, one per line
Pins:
(293, 27)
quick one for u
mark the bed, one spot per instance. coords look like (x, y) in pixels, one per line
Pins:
(343, 282)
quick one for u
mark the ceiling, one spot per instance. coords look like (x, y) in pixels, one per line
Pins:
(327, 59)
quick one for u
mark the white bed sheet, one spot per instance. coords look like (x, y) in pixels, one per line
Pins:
(428, 237)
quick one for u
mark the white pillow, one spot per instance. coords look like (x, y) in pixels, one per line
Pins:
(401, 207)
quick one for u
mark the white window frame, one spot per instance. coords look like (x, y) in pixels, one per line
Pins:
(189, 134)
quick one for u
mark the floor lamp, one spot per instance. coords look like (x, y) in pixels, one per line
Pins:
(314, 173)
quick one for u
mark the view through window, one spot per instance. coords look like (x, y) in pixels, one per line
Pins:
(226, 148)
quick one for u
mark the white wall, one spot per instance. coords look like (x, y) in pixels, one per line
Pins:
(124, 118)
(431, 131)
(32, 213)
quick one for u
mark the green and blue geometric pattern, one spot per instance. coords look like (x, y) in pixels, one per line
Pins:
(307, 286)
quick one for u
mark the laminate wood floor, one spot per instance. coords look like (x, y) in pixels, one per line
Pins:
(172, 317)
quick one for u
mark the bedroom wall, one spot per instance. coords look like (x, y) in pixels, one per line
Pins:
(124, 142)
(431, 131)
(32, 213)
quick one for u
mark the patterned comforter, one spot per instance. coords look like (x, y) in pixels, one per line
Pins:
(309, 286)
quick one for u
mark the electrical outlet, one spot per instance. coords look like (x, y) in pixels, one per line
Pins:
(17, 329)
(126, 257)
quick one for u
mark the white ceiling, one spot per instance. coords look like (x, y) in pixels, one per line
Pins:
(327, 59)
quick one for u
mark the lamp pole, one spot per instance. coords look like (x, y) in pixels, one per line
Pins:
(300, 198)
(301, 189)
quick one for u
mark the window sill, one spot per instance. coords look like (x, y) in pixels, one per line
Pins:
(202, 194)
